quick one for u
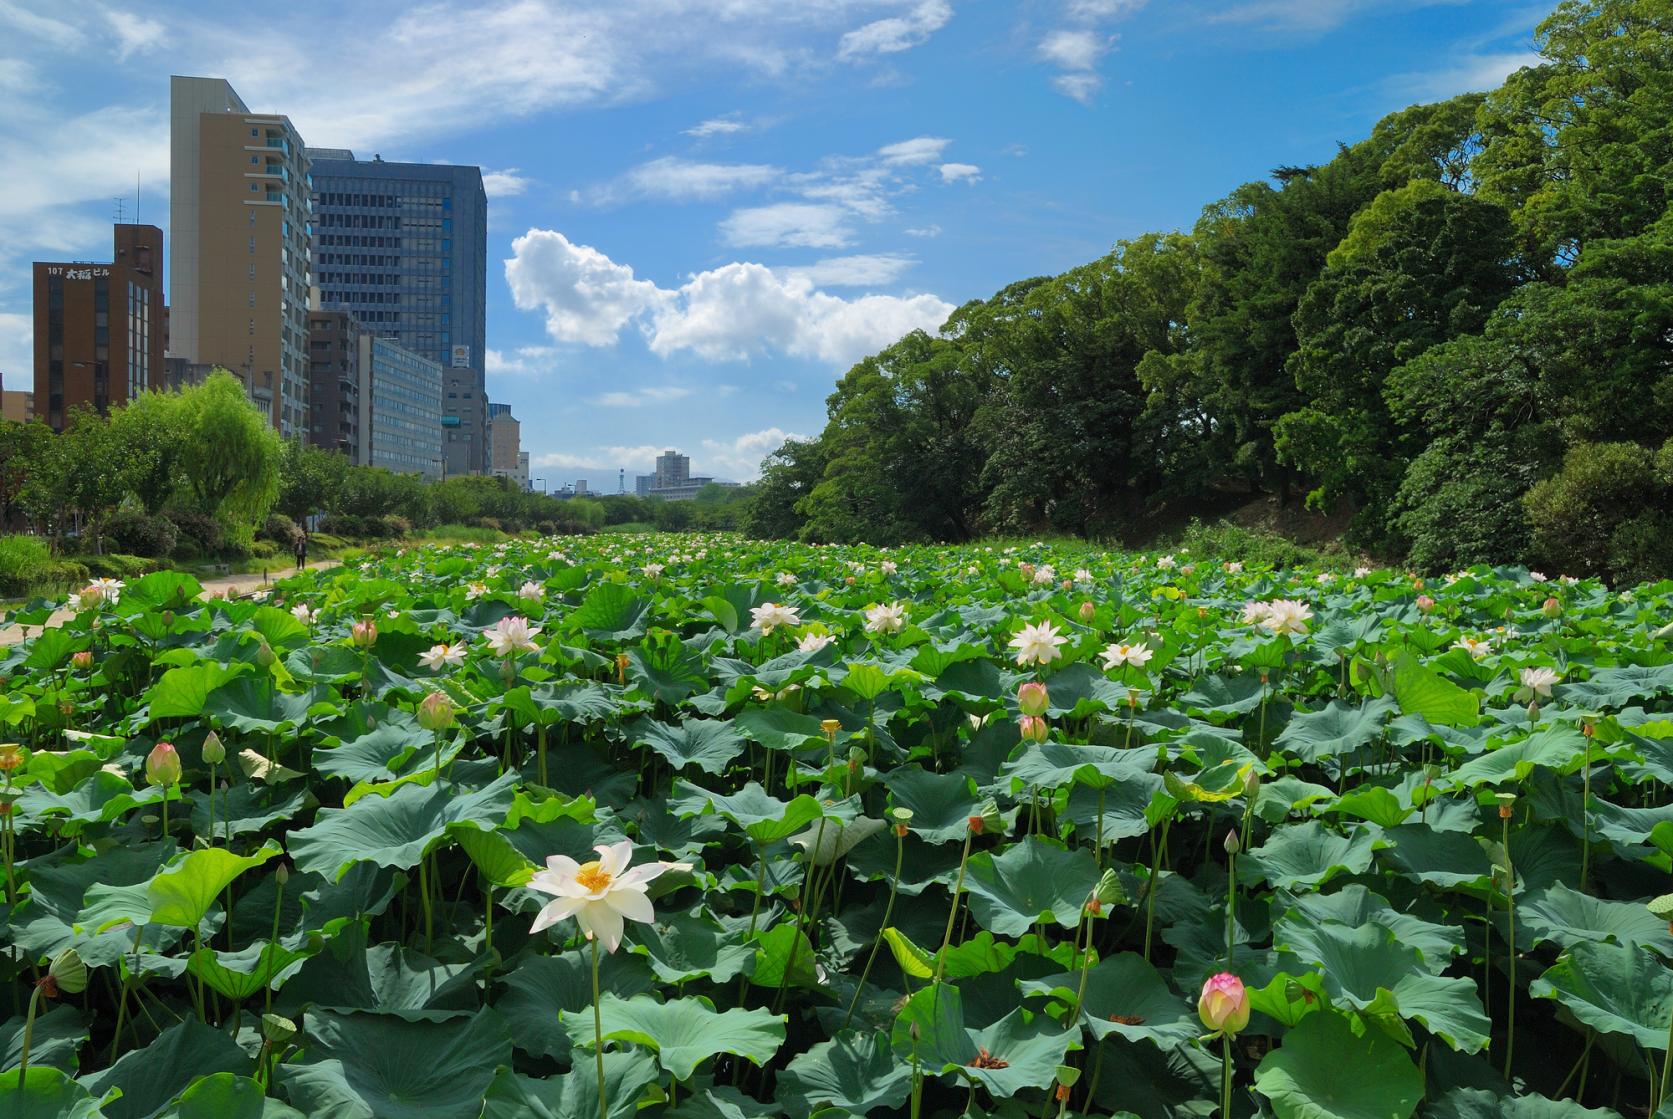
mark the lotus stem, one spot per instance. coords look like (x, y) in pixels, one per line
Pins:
(598, 1036)
(540, 748)
(1231, 906)
(1150, 886)
(877, 942)
(1505, 813)
(1667, 1063)
(1085, 963)
(278, 907)
(1225, 1076)
(28, 1037)
(958, 885)
(424, 898)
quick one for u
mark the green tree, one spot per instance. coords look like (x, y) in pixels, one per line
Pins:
(229, 456)
(310, 480)
(151, 430)
(787, 476)
(23, 449)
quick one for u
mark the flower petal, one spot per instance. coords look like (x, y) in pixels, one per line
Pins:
(632, 904)
(602, 922)
(553, 912)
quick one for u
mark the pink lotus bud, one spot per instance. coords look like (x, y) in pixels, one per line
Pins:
(1224, 1004)
(1425, 603)
(1032, 698)
(1034, 728)
(1088, 611)
(364, 634)
(83, 660)
(435, 712)
(848, 582)
(162, 765)
(1551, 608)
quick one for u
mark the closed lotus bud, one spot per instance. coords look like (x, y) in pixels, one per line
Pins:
(1088, 611)
(1252, 785)
(11, 756)
(83, 660)
(1533, 710)
(281, 874)
(1232, 845)
(1425, 603)
(1224, 1005)
(364, 633)
(1033, 728)
(265, 656)
(1032, 698)
(1417, 584)
(168, 619)
(162, 764)
(214, 752)
(435, 712)
(849, 581)
(68, 973)
(1551, 608)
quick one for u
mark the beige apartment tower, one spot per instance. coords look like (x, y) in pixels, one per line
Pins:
(239, 267)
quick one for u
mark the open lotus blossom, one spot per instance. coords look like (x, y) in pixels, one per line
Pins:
(1038, 644)
(599, 894)
(813, 642)
(886, 619)
(1223, 1005)
(653, 570)
(1477, 647)
(1082, 575)
(443, 655)
(785, 579)
(303, 613)
(888, 567)
(770, 615)
(1136, 655)
(1233, 566)
(512, 635)
(100, 592)
(1538, 576)
(474, 591)
(1538, 680)
(1285, 615)
(1361, 572)
(1044, 574)
(1166, 563)
(531, 592)
(1254, 613)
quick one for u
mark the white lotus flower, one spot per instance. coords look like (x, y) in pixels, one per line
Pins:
(512, 635)
(474, 591)
(770, 615)
(653, 570)
(1285, 615)
(813, 642)
(1477, 647)
(1136, 655)
(785, 579)
(442, 655)
(531, 592)
(1044, 574)
(1539, 680)
(888, 567)
(1361, 572)
(1082, 575)
(1255, 613)
(1233, 566)
(1038, 644)
(1166, 563)
(886, 619)
(302, 613)
(1538, 576)
(601, 895)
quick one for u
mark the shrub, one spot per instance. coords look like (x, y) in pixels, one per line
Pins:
(395, 526)
(204, 531)
(1459, 503)
(117, 565)
(281, 531)
(24, 560)
(350, 525)
(1223, 540)
(1601, 514)
(267, 549)
(139, 533)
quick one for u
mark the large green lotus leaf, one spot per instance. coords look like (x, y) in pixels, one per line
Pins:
(581, 701)
(1338, 729)
(1356, 905)
(152, 1076)
(1449, 1008)
(941, 803)
(1479, 1103)
(685, 946)
(1628, 827)
(1127, 806)
(396, 830)
(1376, 803)
(574, 1095)
(1029, 1046)
(1566, 916)
(247, 971)
(686, 1031)
(1079, 691)
(763, 817)
(500, 862)
(709, 744)
(255, 706)
(47, 1093)
(777, 728)
(855, 1071)
(1422, 691)
(1613, 988)
(347, 975)
(1224, 696)
(780, 951)
(378, 755)
(380, 1066)
(57, 1039)
(1610, 688)
(1051, 765)
(1289, 793)
(1032, 880)
(103, 797)
(1124, 996)
(227, 1096)
(183, 692)
(1353, 961)
(543, 986)
(610, 612)
(184, 892)
(1436, 858)
(1306, 856)
(1554, 746)
(245, 808)
(1322, 1070)
(55, 917)
(663, 668)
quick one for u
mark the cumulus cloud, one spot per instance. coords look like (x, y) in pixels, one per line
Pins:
(896, 33)
(503, 184)
(799, 224)
(1077, 49)
(735, 312)
(740, 458)
(1078, 45)
(960, 172)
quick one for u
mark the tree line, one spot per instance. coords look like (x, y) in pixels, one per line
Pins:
(1457, 333)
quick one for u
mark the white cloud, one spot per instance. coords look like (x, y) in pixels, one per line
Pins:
(1077, 47)
(1091, 10)
(803, 224)
(17, 349)
(960, 172)
(716, 126)
(587, 297)
(524, 361)
(54, 31)
(732, 313)
(1469, 73)
(740, 458)
(134, 34)
(923, 231)
(1073, 49)
(1309, 17)
(1081, 87)
(609, 458)
(678, 179)
(919, 149)
(503, 184)
(896, 33)
(860, 270)
(638, 398)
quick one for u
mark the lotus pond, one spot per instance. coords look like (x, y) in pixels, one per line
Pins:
(700, 827)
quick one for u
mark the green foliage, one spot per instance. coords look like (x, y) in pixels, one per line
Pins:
(1224, 541)
(231, 455)
(1607, 512)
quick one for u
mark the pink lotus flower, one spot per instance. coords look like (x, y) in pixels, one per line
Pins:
(1032, 698)
(162, 765)
(1224, 1004)
(511, 635)
(1033, 728)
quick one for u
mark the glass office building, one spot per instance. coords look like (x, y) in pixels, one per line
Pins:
(404, 248)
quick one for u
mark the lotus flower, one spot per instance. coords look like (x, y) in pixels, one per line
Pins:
(1166, 563)
(785, 579)
(531, 592)
(653, 570)
(436, 712)
(1088, 611)
(888, 567)
(1538, 681)
(1254, 613)
(886, 619)
(512, 635)
(1038, 644)
(598, 894)
(1136, 655)
(443, 655)
(813, 642)
(1224, 1004)
(162, 764)
(1033, 728)
(364, 634)
(1285, 615)
(474, 591)
(1032, 698)
(1477, 647)
(304, 614)
(770, 615)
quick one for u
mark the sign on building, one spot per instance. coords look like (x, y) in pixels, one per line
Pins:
(461, 357)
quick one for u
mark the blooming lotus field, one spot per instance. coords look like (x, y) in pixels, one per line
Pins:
(700, 827)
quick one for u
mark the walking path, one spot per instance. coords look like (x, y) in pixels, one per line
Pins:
(222, 586)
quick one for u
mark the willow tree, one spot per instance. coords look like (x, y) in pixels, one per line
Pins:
(230, 455)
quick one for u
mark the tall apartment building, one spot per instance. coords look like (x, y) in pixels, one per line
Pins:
(239, 271)
(334, 382)
(99, 327)
(404, 247)
(672, 469)
(401, 409)
(506, 457)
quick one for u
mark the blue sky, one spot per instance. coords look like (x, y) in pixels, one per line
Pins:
(702, 211)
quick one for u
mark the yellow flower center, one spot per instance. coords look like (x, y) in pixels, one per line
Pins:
(593, 876)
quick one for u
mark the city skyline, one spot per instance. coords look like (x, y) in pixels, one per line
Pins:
(688, 244)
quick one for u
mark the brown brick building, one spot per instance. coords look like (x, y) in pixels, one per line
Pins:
(99, 327)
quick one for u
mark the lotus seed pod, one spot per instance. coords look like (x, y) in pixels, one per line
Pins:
(276, 1030)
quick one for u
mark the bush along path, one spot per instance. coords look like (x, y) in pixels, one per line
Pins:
(697, 827)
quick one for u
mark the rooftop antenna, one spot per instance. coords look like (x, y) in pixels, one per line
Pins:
(136, 197)
(119, 202)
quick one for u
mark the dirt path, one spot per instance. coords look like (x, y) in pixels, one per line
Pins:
(224, 586)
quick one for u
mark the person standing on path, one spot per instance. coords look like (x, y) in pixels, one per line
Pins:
(302, 550)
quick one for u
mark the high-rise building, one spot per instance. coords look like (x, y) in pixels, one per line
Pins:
(17, 406)
(99, 327)
(506, 457)
(334, 382)
(401, 409)
(672, 469)
(404, 247)
(239, 271)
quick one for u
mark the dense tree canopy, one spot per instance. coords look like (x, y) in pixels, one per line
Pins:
(1416, 333)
